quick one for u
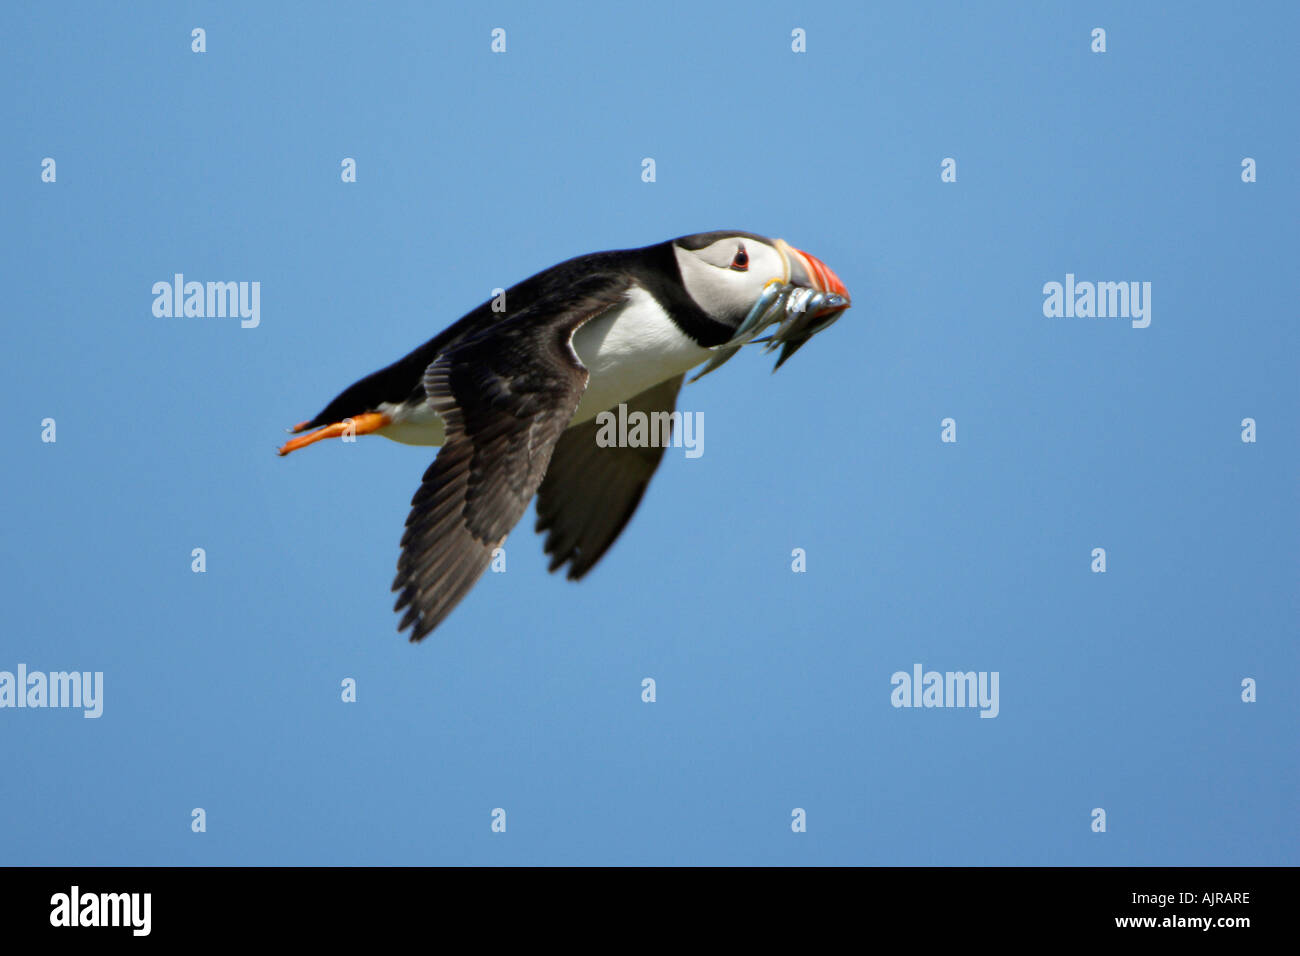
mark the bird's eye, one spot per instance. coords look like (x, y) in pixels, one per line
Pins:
(741, 262)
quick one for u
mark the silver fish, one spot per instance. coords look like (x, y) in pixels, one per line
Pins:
(799, 313)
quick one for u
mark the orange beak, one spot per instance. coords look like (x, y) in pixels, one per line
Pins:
(809, 271)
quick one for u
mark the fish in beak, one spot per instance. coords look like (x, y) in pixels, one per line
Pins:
(817, 299)
(803, 302)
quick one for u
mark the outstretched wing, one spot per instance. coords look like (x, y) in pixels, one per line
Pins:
(506, 394)
(590, 493)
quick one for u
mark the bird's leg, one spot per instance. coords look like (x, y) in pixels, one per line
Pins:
(360, 425)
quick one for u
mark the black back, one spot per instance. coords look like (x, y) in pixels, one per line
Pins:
(654, 268)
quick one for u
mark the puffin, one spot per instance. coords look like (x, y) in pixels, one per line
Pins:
(512, 391)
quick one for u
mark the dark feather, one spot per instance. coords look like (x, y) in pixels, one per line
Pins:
(590, 493)
(506, 394)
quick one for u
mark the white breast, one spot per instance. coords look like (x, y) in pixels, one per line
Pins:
(629, 349)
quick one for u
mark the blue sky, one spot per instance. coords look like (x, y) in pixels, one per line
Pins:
(1118, 690)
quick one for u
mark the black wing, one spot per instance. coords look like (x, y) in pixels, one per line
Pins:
(590, 493)
(506, 395)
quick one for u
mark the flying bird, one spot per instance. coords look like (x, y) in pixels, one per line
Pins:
(511, 392)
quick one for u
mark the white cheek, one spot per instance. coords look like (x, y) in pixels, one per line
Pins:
(719, 292)
(766, 264)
